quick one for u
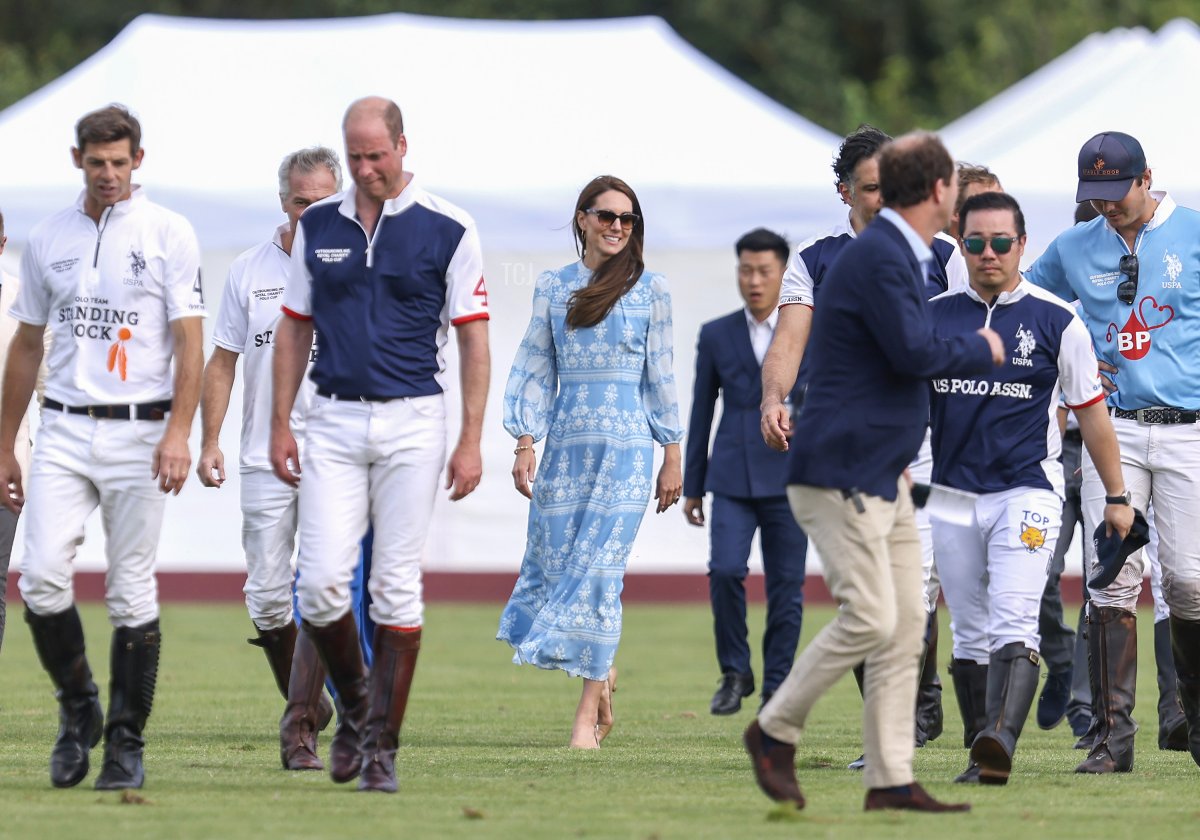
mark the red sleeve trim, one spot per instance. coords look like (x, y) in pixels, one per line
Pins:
(1089, 402)
(478, 316)
(295, 315)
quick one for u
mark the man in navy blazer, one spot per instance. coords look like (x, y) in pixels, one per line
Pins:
(747, 478)
(863, 419)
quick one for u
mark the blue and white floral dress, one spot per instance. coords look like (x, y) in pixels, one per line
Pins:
(600, 396)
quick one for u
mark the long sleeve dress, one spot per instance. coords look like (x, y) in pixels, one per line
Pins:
(601, 396)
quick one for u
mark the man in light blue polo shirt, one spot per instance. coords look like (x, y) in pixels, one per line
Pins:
(1136, 272)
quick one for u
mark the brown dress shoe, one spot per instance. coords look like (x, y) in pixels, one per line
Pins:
(916, 799)
(775, 768)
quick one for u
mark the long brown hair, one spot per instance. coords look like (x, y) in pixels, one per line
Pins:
(616, 276)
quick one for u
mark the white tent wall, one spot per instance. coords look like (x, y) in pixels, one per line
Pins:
(507, 119)
(1124, 80)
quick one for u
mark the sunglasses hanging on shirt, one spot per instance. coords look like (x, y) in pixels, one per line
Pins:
(1127, 288)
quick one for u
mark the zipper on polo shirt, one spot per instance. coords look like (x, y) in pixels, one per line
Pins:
(370, 239)
(987, 322)
(100, 226)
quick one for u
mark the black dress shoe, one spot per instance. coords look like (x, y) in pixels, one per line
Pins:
(774, 768)
(913, 799)
(734, 686)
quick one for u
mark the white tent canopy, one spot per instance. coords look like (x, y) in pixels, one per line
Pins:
(509, 119)
(1124, 80)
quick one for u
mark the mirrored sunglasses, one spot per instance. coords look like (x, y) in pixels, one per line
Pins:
(1000, 244)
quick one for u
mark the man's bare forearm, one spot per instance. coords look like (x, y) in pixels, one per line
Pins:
(293, 343)
(782, 363)
(475, 365)
(214, 400)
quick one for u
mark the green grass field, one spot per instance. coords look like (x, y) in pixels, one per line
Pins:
(484, 752)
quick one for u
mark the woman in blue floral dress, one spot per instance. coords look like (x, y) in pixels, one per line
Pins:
(594, 377)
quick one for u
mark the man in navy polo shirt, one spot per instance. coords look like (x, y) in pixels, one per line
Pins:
(381, 271)
(997, 436)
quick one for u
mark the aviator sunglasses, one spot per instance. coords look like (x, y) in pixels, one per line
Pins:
(1127, 288)
(1000, 244)
(607, 217)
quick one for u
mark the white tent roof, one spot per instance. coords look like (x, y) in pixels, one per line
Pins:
(1124, 80)
(509, 119)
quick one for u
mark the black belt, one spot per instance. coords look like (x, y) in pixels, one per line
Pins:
(1156, 416)
(321, 392)
(141, 411)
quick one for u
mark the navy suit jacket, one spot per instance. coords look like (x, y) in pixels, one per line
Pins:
(872, 351)
(742, 465)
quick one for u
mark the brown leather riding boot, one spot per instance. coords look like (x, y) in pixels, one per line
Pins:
(1112, 653)
(308, 710)
(391, 677)
(278, 644)
(338, 646)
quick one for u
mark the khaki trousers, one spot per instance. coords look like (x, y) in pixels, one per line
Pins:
(872, 563)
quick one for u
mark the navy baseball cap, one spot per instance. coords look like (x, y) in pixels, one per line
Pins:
(1112, 551)
(1108, 164)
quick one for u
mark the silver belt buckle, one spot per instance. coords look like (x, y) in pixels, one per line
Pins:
(91, 412)
(1141, 416)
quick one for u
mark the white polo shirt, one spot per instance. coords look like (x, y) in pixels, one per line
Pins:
(246, 324)
(107, 292)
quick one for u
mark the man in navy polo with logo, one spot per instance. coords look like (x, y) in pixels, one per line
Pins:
(381, 271)
(747, 479)
(1135, 270)
(997, 436)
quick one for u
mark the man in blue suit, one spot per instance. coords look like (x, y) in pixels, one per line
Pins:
(747, 478)
(864, 416)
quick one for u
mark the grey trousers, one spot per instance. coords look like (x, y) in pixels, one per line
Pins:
(8, 529)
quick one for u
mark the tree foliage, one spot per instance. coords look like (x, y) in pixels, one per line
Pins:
(899, 64)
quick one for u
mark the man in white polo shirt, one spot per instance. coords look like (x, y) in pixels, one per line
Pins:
(245, 327)
(116, 279)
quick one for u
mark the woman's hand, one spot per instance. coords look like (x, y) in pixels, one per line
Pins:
(525, 467)
(670, 479)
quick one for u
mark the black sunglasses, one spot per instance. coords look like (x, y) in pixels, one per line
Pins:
(607, 217)
(1000, 244)
(1127, 288)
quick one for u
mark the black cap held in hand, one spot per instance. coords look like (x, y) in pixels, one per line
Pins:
(1112, 551)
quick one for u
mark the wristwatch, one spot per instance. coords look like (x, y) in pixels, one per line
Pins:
(1125, 498)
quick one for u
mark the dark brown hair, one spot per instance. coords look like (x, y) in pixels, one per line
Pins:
(615, 276)
(910, 165)
(108, 125)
